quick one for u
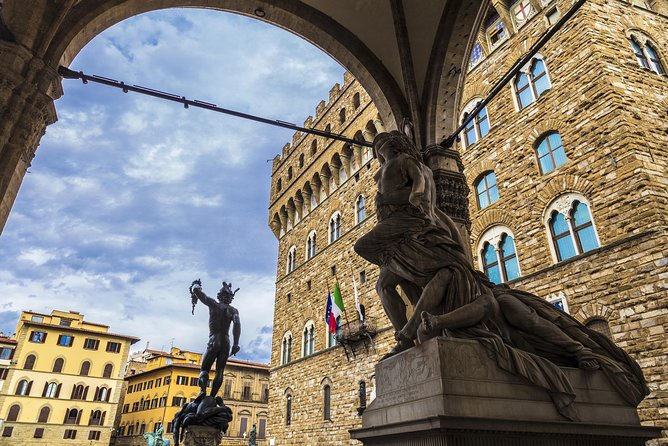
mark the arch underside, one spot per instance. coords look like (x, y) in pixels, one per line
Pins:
(382, 45)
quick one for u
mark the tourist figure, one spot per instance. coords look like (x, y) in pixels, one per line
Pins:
(221, 316)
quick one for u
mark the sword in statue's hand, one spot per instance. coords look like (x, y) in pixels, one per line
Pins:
(197, 284)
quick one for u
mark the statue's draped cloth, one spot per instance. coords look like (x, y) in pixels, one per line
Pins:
(416, 245)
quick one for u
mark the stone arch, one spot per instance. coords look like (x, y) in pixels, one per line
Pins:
(326, 178)
(543, 127)
(594, 310)
(475, 170)
(637, 30)
(560, 185)
(87, 20)
(490, 218)
(58, 364)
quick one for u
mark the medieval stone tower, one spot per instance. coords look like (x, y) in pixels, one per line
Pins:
(568, 173)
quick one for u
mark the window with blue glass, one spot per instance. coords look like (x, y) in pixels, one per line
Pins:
(491, 263)
(65, 340)
(499, 257)
(530, 85)
(361, 209)
(487, 191)
(509, 265)
(583, 227)
(573, 234)
(6, 353)
(551, 153)
(647, 56)
(476, 127)
(561, 236)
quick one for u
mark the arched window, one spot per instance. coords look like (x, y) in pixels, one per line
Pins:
(72, 416)
(108, 370)
(102, 394)
(311, 245)
(79, 392)
(29, 362)
(292, 254)
(531, 82)
(342, 116)
(51, 390)
(289, 173)
(44, 413)
(491, 263)
(301, 160)
(279, 185)
(360, 209)
(571, 228)
(85, 368)
(362, 396)
(646, 55)
(487, 191)
(95, 418)
(498, 256)
(356, 100)
(314, 147)
(13, 413)
(327, 394)
(23, 388)
(335, 227)
(654, 59)
(286, 348)
(551, 154)
(58, 365)
(328, 128)
(288, 410)
(477, 127)
(308, 339)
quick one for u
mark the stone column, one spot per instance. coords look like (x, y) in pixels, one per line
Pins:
(28, 89)
(451, 187)
(202, 436)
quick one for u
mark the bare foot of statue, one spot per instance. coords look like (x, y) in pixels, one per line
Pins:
(428, 322)
(400, 347)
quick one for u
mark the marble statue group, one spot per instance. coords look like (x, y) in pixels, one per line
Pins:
(419, 249)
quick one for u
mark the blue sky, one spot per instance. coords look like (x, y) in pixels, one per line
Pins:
(131, 198)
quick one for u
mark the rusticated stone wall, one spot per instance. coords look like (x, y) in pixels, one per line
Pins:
(611, 115)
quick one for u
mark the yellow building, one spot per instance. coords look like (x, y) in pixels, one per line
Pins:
(64, 380)
(170, 379)
(7, 349)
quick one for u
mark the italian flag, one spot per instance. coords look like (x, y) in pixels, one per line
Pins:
(334, 308)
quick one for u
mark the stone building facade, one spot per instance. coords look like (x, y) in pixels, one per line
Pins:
(567, 169)
(155, 392)
(64, 381)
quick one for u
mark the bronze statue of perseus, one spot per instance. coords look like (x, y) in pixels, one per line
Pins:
(221, 315)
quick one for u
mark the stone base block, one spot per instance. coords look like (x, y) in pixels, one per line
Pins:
(202, 436)
(451, 392)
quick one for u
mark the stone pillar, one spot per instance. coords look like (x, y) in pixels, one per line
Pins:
(451, 187)
(28, 89)
(202, 436)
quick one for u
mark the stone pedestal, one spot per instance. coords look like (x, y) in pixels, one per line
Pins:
(451, 392)
(202, 436)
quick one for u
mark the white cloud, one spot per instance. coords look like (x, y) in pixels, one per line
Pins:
(131, 198)
(37, 256)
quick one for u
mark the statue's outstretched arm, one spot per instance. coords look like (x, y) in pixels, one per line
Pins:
(206, 300)
(236, 332)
